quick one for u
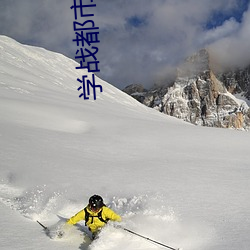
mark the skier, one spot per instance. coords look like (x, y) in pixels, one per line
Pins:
(95, 214)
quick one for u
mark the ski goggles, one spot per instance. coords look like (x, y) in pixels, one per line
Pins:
(94, 208)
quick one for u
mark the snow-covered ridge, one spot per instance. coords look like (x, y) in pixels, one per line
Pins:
(37, 69)
(199, 97)
(33, 74)
(182, 185)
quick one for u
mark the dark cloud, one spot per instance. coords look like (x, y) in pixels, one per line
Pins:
(140, 40)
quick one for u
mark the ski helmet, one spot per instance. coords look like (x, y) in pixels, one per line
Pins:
(95, 202)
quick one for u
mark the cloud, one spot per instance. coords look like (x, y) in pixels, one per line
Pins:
(228, 28)
(140, 40)
(171, 31)
(233, 49)
(46, 23)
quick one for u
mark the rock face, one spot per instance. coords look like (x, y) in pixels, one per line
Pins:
(237, 81)
(137, 91)
(201, 97)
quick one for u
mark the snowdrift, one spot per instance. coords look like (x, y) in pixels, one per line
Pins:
(182, 185)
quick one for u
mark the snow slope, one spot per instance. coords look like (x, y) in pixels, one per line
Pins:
(176, 183)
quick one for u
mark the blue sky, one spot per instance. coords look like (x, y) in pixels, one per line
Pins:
(218, 17)
(136, 21)
(141, 41)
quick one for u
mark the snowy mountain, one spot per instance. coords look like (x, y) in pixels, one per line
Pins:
(237, 81)
(201, 96)
(182, 185)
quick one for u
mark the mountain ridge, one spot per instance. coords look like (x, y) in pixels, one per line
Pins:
(200, 95)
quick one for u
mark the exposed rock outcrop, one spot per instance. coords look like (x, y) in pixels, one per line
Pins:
(201, 97)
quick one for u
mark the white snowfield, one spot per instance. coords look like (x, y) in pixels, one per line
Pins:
(185, 186)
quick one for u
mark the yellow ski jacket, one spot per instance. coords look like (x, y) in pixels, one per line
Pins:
(94, 223)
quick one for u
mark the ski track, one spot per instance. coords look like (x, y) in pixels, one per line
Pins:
(144, 214)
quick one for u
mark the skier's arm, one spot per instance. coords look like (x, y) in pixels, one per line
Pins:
(110, 214)
(77, 217)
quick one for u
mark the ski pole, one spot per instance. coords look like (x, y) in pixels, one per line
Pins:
(146, 238)
(45, 228)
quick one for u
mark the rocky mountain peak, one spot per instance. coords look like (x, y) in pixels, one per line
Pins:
(196, 64)
(202, 97)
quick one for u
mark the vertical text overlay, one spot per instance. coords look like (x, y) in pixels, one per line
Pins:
(86, 39)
